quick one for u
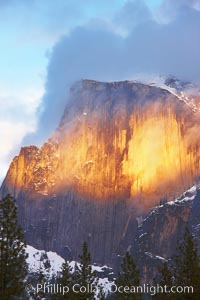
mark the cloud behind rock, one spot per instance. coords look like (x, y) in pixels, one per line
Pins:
(150, 47)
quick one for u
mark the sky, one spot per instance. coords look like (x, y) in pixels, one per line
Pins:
(47, 45)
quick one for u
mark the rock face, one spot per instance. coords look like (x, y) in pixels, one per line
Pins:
(119, 149)
(159, 233)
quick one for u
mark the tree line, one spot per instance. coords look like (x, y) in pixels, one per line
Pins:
(181, 270)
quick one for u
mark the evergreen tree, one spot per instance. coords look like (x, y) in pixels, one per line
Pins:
(13, 266)
(166, 279)
(66, 278)
(128, 276)
(85, 275)
(185, 271)
(187, 267)
(41, 279)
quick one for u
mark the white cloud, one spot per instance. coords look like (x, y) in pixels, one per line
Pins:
(18, 117)
(11, 134)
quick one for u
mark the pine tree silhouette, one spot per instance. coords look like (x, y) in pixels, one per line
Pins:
(13, 266)
(85, 275)
(66, 278)
(128, 276)
(166, 279)
(187, 267)
(184, 272)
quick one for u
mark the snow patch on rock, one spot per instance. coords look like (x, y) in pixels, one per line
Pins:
(50, 263)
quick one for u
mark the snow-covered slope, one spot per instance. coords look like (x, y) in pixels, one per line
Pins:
(189, 195)
(185, 91)
(50, 263)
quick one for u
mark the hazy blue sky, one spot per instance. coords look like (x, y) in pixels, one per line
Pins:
(46, 45)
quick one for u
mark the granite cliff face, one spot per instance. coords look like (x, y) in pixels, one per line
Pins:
(119, 149)
(160, 231)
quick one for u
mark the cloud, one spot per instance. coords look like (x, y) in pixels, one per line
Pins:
(170, 8)
(132, 13)
(97, 53)
(17, 119)
(179, 4)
